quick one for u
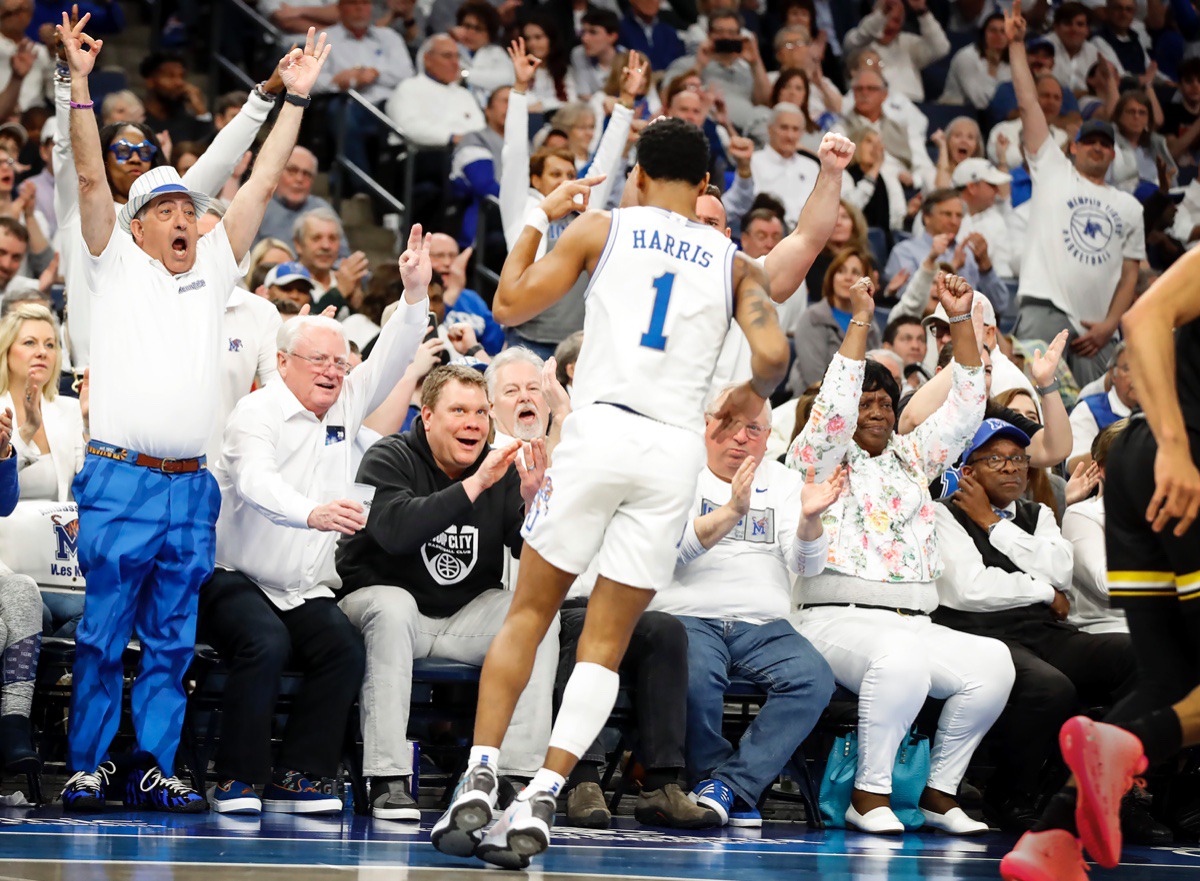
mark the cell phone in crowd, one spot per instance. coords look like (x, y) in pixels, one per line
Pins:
(444, 354)
(727, 45)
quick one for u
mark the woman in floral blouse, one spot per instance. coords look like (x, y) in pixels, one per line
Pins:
(868, 614)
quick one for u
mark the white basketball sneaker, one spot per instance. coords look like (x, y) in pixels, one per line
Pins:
(460, 829)
(522, 832)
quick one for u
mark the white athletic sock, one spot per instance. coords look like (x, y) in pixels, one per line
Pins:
(484, 755)
(544, 780)
(587, 702)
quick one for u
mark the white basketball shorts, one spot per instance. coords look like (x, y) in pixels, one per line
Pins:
(619, 491)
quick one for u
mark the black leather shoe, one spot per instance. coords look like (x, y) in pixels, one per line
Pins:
(1138, 825)
(16, 744)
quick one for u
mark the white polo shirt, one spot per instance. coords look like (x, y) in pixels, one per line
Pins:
(156, 345)
(248, 346)
(279, 461)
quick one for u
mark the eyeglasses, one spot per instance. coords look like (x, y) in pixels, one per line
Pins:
(794, 44)
(340, 365)
(1020, 461)
(8, 162)
(124, 150)
(754, 431)
(303, 172)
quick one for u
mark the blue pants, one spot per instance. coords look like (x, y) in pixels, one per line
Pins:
(61, 613)
(147, 541)
(784, 664)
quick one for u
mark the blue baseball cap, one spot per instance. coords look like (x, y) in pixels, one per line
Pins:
(286, 273)
(991, 429)
(1096, 127)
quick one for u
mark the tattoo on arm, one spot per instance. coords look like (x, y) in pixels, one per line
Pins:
(759, 308)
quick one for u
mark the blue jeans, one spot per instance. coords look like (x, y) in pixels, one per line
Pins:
(543, 350)
(61, 613)
(784, 664)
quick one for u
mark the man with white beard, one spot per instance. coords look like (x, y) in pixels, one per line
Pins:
(519, 408)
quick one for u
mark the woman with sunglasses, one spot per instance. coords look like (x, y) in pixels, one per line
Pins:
(868, 613)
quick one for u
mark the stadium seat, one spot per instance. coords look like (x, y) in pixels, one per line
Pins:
(941, 115)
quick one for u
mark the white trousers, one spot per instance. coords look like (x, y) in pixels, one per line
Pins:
(395, 633)
(893, 662)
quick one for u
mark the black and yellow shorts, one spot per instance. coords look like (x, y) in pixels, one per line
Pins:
(1143, 565)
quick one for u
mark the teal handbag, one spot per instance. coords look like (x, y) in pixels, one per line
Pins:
(910, 774)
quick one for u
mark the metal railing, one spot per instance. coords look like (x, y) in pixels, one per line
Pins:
(483, 273)
(227, 15)
(341, 162)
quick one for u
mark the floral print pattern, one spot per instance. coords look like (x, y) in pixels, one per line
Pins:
(883, 526)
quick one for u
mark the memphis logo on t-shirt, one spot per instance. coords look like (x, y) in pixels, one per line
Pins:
(1092, 227)
(758, 526)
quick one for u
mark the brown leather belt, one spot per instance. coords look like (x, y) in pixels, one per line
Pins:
(166, 466)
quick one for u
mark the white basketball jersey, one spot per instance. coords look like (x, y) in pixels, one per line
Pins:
(657, 311)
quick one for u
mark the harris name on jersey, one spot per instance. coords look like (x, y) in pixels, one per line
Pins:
(671, 246)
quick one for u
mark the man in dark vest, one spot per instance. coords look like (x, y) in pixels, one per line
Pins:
(1007, 575)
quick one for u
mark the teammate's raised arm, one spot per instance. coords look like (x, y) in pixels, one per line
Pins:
(755, 314)
(527, 287)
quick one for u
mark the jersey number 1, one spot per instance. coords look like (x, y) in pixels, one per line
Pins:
(653, 337)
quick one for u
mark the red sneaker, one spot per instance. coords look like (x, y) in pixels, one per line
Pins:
(1054, 855)
(1105, 760)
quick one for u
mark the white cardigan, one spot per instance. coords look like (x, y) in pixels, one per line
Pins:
(63, 421)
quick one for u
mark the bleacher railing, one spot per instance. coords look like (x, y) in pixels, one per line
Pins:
(343, 163)
(485, 278)
(234, 20)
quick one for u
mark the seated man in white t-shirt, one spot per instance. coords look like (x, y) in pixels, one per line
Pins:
(1085, 239)
(755, 524)
(1094, 413)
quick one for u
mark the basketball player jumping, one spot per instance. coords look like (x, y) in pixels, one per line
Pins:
(663, 290)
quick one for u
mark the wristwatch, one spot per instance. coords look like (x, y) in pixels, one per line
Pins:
(1044, 390)
(261, 91)
(298, 100)
(993, 526)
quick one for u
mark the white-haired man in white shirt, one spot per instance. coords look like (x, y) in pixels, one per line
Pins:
(286, 477)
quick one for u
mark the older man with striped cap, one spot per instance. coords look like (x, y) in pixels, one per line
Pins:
(147, 504)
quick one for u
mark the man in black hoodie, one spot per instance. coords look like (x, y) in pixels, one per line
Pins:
(424, 578)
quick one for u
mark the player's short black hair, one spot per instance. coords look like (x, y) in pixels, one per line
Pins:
(893, 327)
(671, 149)
(876, 377)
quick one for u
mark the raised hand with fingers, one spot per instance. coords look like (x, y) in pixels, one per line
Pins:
(80, 49)
(815, 498)
(1045, 364)
(531, 464)
(569, 196)
(299, 68)
(556, 396)
(6, 422)
(415, 267)
(742, 484)
(1084, 479)
(633, 79)
(524, 65)
(1014, 24)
